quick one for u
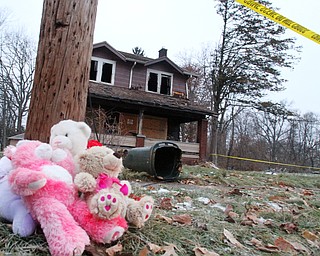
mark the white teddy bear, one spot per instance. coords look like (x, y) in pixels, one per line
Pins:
(70, 135)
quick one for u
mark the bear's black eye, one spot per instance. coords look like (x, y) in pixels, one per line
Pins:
(66, 134)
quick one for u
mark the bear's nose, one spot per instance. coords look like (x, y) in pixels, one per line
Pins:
(117, 155)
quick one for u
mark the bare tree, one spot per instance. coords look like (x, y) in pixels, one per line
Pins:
(270, 132)
(188, 131)
(271, 125)
(3, 99)
(3, 17)
(138, 51)
(17, 60)
(18, 68)
(245, 143)
(245, 64)
(304, 140)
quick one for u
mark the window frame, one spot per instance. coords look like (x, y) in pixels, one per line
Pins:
(102, 61)
(159, 73)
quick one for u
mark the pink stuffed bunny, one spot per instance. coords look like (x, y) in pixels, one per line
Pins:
(48, 191)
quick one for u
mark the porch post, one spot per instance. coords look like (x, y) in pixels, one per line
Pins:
(202, 139)
(140, 121)
(140, 138)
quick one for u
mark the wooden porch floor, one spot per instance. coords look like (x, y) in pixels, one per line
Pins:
(189, 150)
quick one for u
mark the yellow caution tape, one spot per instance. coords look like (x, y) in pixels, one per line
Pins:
(266, 162)
(272, 15)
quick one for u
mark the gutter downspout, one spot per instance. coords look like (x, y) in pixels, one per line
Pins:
(187, 89)
(131, 72)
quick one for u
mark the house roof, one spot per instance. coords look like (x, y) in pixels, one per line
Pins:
(148, 101)
(108, 46)
(134, 57)
(125, 56)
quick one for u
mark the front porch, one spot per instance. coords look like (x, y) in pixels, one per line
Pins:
(136, 118)
(190, 151)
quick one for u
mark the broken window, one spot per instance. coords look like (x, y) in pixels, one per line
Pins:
(102, 70)
(159, 82)
(153, 82)
(93, 70)
(106, 75)
(165, 84)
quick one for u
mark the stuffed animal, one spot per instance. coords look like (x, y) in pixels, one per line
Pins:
(139, 210)
(70, 135)
(94, 161)
(101, 165)
(99, 169)
(74, 136)
(100, 230)
(67, 137)
(47, 190)
(12, 207)
(101, 212)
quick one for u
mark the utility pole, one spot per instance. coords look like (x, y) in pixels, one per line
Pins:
(61, 79)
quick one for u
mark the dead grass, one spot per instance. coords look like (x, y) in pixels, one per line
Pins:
(14, 245)
(250, 205)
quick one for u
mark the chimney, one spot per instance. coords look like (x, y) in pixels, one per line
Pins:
(163, 52)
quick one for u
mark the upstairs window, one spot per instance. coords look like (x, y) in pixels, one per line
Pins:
(102, 70)
(159, 82)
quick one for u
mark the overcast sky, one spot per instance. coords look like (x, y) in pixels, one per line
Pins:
(185, 26)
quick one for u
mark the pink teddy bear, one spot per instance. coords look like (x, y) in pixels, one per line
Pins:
(48, 190)
(101, 212)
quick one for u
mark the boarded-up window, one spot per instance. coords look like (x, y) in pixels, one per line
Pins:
(129, 124)
(155, 127)
(152, 127)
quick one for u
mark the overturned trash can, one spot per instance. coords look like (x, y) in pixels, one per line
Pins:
(162, 160)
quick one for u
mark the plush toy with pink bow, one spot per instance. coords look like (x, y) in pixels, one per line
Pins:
(105, 194)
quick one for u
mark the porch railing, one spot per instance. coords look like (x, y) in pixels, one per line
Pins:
(189, 150)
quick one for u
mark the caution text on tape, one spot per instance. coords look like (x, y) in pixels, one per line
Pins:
(272, 15)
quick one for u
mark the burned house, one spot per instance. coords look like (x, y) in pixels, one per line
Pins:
(144, 101)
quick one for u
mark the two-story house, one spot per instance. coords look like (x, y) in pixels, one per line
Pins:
(145, 100)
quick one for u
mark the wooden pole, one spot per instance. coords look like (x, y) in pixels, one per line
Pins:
(62, 66)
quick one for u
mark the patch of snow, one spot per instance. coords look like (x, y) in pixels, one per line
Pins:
(204, 200)
(275, 206)
(163, 191)
(271, 173)
(261, 220)
(219, 206)
(185, 206)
